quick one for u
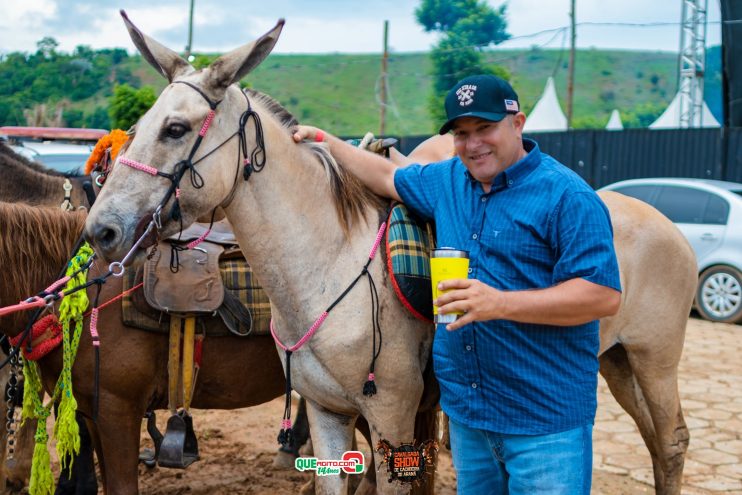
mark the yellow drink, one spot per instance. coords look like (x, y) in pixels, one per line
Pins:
(446, 264)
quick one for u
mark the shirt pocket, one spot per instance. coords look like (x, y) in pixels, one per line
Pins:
(519, 255)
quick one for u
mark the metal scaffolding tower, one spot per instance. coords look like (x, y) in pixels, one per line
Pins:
(692, 64)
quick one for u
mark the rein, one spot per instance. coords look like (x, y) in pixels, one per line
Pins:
(369, 388)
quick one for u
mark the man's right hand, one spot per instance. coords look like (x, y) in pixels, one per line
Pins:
(308, 133)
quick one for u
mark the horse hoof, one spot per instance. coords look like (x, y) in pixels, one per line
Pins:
(283, 460)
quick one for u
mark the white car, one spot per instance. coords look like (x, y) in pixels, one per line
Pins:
(62, 157)
(709, 214)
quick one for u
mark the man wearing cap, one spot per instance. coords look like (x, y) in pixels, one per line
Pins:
(518, 371)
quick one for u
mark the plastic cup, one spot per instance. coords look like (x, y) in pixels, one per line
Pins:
(447, 263)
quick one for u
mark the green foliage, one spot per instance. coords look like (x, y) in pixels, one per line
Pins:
(128, 104)
(468, 26)
(340, 92)
(642, 115)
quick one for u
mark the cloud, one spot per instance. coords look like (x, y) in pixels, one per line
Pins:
(326, 26)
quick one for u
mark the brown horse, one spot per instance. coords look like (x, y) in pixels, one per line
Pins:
(236, 372)
(307, 254)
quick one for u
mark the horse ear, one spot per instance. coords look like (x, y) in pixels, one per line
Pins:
(167, 62)
(233, 66)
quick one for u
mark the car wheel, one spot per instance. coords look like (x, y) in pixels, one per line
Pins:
(719, 294)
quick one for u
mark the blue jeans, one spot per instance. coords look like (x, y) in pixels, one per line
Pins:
(491, 464)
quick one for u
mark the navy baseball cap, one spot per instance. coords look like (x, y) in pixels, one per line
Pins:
(485, 96)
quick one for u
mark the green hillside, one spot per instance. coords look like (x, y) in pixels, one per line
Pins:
(340, 92)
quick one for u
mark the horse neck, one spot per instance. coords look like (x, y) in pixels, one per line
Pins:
(23, 184)
(35, 244)
(287, 226)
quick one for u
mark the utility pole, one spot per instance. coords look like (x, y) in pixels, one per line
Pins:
(190, 32)
(571, 75)
(384, 59)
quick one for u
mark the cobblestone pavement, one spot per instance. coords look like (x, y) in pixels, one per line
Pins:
(711, 393)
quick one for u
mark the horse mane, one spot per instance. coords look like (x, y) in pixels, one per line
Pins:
(35, 243)
(349, 195)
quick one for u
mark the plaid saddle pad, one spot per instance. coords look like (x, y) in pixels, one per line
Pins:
(238, 280)
(409, 242)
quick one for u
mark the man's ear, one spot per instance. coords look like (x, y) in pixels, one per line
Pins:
(519, 120)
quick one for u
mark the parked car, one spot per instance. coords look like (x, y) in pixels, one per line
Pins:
(59, 148)
(709, 214)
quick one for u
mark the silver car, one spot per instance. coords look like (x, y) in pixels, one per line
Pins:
(709, 214)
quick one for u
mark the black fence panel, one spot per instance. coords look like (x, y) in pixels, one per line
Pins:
(733, 165)
(602, 157)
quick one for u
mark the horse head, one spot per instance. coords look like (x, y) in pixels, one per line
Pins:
(172, 171)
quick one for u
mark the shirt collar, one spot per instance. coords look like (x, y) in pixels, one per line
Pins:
(518, 171)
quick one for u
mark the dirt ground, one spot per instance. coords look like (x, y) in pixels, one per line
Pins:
(237, 450)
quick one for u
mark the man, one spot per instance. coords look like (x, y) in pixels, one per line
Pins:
(518, 371)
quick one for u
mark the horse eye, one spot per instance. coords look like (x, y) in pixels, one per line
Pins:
(176, 130)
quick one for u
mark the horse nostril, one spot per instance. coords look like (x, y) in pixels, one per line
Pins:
(104, 237)
(107, 237)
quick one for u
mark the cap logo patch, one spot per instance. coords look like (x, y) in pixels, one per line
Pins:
(465, 94)
(511, 106)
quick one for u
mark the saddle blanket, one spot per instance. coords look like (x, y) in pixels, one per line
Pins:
(409, 242)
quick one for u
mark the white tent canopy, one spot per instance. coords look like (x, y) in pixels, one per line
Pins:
(614, 123)
(670, 118)
(547, 115)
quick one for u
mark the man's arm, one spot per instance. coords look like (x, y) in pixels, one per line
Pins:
(376, 172)
(573, 302)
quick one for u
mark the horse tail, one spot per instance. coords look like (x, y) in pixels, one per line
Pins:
(426, 427)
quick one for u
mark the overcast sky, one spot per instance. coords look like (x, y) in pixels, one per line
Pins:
(322, 26)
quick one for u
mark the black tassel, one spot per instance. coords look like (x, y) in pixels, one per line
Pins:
(286, 436)
(369, 388)
(175, 212)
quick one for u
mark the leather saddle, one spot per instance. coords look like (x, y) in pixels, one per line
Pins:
(196, 288)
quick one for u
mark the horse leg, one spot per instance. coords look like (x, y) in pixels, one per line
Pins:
(80, 478)
(616, 368)
(286, 454)
(118, 454)
(658, 378)
(332, 435)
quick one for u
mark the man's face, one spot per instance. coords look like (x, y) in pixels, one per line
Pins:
(486, 147)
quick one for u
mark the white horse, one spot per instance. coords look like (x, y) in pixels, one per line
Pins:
(305, 225)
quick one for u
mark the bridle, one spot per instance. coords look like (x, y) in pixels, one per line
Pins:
(255, 162)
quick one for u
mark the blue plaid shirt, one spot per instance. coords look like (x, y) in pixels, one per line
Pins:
(540, 225)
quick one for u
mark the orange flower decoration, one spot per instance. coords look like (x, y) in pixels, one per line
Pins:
(115, 140)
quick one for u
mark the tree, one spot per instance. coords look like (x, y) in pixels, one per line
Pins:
(47, 47)
(468, 26)
(128, 104)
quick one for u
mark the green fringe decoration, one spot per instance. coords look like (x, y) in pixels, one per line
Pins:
(42, 481)
(66, 430)
(71, 310)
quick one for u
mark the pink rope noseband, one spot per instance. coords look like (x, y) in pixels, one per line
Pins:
(139, 166)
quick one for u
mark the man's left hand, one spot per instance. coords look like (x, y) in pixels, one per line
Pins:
(477, 300)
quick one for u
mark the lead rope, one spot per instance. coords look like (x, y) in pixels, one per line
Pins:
(285, 435)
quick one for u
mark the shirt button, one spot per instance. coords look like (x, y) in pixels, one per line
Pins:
(473, 385)
(510, 182)
(474, 236)
(484, 198)
(468, 348)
